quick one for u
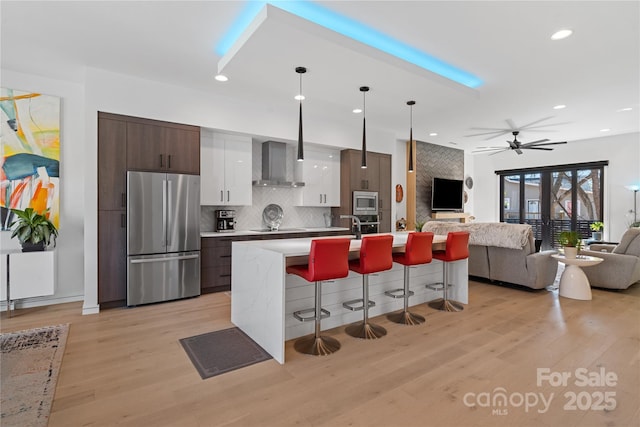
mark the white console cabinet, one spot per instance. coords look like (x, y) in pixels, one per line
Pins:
(225, 169)
(31, 274)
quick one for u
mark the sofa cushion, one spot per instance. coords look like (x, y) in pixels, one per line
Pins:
(634, 247)
(478, 261)
(629, 236)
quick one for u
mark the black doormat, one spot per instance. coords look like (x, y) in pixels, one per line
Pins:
(215, 353)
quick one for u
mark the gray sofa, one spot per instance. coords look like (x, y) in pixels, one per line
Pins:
(621, 266)
(503, 252)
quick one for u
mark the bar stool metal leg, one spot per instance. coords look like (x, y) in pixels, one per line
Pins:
(316, 344)
(405, 317)
(364, 329)
(444, 303)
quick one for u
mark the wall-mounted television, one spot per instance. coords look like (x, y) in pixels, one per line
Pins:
(446, 195)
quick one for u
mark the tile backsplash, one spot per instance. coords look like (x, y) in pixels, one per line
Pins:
(249, 217)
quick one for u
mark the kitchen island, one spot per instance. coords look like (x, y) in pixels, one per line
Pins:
(264, 296)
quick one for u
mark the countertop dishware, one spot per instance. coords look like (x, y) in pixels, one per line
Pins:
(272, 216)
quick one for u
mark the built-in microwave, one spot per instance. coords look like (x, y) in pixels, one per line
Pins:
(365, 202)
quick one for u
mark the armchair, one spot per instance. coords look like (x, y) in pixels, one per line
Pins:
(621, 266)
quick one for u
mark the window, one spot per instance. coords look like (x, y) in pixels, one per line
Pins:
(553, 198)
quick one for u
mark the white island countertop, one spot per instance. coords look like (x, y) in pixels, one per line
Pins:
(267, 233)
(302, 246)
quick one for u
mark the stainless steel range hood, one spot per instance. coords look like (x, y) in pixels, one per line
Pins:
(274, 166)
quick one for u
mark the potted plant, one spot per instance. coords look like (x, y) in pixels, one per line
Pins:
(596, 230)
(33, 230)
(571, 241)
(419, 224)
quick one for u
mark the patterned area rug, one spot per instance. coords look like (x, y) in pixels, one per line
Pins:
(215, 353)
(30, 362)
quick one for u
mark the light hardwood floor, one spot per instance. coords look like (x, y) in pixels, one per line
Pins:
(126, 366)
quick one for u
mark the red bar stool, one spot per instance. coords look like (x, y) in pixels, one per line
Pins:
(457, 249)
(375, 255)
(328, 259)
(417, 251)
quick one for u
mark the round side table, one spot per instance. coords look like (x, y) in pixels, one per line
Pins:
(573, 282)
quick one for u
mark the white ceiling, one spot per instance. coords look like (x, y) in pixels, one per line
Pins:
(595, 72)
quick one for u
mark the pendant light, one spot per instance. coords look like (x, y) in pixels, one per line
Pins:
(300, 71)
(364, 90)
(411, 104)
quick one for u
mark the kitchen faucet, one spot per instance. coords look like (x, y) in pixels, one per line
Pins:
(357, 220)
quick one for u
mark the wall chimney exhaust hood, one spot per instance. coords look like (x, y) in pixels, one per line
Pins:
(274, 166)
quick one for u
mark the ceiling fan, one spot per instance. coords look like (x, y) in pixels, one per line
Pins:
(518, 146)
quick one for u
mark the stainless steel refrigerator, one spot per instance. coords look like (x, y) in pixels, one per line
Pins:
(163, 237)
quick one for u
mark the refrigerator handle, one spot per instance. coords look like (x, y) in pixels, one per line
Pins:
(165, 259)
(169, 210)
(164, 212)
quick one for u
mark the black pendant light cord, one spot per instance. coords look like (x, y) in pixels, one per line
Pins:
(300, 71)
(411, 104)
(364, 90)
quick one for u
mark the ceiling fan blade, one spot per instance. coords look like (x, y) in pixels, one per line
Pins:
(497, 132)
(523, 127)
(538, 148)
(546, 143)
(534, 128)
(534, 142)
(518, 150)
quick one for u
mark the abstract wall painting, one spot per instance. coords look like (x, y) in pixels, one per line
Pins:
(30, 154)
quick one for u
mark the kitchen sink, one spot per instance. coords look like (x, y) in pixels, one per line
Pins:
(266, 230)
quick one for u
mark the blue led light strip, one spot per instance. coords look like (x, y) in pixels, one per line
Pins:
(352, 29)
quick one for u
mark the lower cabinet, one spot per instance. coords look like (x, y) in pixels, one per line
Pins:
(215, 263)
(112, 258)
(215, 256)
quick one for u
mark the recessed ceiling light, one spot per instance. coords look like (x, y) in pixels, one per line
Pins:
(221, 78)
(559, 107)
(433, 134)
(299, 97)
(357, 110)
(562, 34)
(624, 109)
(605, 130)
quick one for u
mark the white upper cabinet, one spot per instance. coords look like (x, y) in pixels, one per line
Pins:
(320, 172)
(225, 170)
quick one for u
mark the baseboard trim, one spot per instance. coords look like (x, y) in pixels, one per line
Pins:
(39, 302)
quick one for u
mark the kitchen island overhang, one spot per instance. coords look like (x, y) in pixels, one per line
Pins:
(264, 296)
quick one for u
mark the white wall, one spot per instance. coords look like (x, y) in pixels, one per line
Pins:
(70, 261)
(622, 151)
